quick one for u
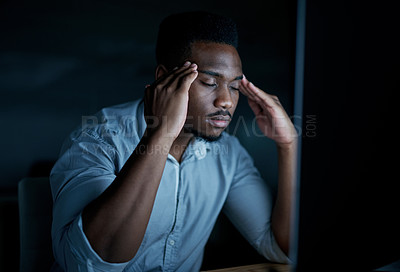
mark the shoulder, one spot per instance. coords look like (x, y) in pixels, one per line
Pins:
(123, 120)
(119, 118)
(129, 108)
(115, 127)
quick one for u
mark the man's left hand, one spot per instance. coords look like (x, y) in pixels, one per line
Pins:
(271, 117)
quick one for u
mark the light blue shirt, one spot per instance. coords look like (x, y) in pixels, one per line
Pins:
(211, 177)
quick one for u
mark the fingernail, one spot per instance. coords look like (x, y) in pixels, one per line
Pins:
(186, 64)
(193, 65)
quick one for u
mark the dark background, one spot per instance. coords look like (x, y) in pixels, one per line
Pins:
(350, 193)
(61, 60)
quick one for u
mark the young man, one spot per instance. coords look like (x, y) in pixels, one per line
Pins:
(141, 189)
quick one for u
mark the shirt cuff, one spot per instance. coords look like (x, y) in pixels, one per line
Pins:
(83, 252)
(276, 254)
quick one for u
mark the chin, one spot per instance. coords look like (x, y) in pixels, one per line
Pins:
(204, 136)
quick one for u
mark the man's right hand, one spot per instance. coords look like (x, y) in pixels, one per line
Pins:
(166, 100)
(116, 221)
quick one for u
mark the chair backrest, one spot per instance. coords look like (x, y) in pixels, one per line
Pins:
(35, 214)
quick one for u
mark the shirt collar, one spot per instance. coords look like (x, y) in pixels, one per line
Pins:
(142, 122)
(197, 149)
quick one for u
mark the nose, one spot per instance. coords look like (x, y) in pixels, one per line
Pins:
(223, 99)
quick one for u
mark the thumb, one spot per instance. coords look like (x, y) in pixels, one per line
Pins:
(188, 80)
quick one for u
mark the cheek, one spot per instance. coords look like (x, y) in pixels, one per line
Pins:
(198, 91)
(199, 96)
(235, 96)
(235, 99)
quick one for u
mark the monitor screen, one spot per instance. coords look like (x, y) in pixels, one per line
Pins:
(349, 198)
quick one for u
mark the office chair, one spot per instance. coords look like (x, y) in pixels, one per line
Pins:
(35, 214)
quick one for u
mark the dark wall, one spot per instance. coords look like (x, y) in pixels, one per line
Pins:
(61, 60)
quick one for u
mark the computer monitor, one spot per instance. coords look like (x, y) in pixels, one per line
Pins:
(347, 216)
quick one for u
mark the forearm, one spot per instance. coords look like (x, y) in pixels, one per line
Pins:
(116, 221)
(281, 214)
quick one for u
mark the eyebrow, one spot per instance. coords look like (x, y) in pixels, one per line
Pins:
(211, 73)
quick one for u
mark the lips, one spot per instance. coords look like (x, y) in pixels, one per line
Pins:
(219, 121)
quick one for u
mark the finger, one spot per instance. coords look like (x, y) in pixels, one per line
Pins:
(162, 78)
(187, 81)
(260, 95)
(276, 100)
(250, 95)
(254, 102)
(245, 92)
(244, 88)
(170, 75)
(181, 78)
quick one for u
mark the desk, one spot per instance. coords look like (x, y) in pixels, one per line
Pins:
(264, 267)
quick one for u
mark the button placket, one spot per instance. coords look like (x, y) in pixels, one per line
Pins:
(171, 239)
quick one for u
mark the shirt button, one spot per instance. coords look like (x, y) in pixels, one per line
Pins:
(172, 242)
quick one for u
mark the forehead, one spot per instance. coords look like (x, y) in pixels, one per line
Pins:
(221, 58)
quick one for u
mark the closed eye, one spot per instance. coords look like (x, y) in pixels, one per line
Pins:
(209, 85)
(215, 85)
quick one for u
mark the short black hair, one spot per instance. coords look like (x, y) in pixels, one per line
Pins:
(178, 31)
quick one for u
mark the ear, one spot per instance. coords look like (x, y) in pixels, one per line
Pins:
(160, 71)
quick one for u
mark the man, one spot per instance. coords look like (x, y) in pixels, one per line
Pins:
(141, 189)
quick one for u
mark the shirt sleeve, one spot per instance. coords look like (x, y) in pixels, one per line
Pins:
(84, 170)
(249, 207)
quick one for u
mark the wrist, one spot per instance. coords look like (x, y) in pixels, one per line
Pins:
(292, 146)
(157, 141)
